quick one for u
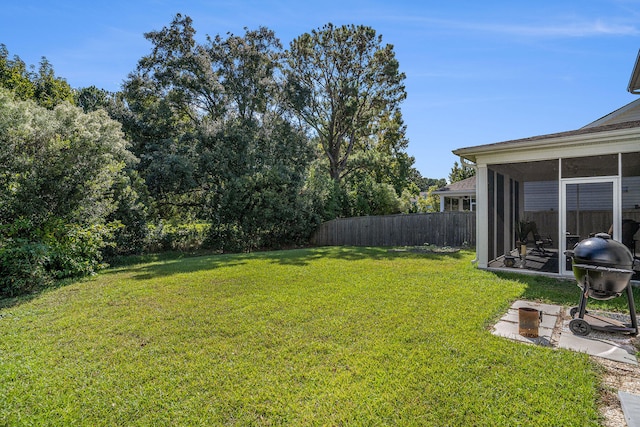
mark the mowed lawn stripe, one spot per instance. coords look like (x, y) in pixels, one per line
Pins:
(324, 336)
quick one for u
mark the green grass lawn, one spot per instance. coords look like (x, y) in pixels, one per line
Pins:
(326, 336)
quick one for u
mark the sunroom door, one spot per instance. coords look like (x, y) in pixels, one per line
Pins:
(590, 206)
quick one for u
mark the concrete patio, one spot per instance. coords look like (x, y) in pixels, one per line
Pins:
(554, 332)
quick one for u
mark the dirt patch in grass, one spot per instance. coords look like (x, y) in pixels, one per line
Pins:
(427, 249)
(616, 377)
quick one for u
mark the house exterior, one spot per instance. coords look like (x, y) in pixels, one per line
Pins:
(458, 196)
(569, 184)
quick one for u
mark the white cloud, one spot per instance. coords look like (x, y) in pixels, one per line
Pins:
(561, 27)
(568, 29)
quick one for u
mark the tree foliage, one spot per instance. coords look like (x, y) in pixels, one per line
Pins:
(15, 75)
(57, 169)
(346, 87)
(41, 86)
(459, 173)
(92, 98)
(343, 83)
(212, 136)
(257, 143)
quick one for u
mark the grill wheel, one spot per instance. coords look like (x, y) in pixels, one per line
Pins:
(580, 327)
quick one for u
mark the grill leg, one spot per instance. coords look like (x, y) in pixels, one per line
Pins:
(632, 309)
(582, 308)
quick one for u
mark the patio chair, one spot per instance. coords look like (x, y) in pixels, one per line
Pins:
(540, 242)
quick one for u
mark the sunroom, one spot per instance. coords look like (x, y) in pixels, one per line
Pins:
(537, 197)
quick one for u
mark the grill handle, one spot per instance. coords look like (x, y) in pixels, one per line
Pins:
(603, 269)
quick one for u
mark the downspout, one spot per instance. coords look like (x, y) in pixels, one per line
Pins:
(473, 166)
(466, 164)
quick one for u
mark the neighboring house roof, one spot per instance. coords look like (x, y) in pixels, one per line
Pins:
(628, 113)
(464, 187)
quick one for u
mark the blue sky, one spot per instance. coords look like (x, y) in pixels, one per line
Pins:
(478, 72)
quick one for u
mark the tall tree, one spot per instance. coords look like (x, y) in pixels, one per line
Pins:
(57, 172)
(166, 98)
(458, 173)
(343, 83)
(49, 89)
(42, 86)
(91, 98)
(211, 133)
(393, 165)
(15, 75)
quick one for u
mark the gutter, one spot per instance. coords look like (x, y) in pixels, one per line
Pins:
(634, 82)
(555, 141)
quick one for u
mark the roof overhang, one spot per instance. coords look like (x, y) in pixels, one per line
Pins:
(459, 193)
(572, 143)
(634, 82)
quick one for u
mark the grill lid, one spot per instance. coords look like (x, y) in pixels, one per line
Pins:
(602, 251)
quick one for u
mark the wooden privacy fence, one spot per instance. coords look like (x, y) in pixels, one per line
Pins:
(441, 228)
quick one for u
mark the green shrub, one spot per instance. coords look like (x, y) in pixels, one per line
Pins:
(228, 238)
(76, 251)
(22, 266)
(182, 237)
(31, 258)
(132, 235)
(59, 172)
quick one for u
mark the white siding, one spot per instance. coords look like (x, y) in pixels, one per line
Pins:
(598, 197)
(541, 196)
(631, 192)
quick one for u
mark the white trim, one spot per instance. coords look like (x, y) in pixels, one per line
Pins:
(551, 153)
(506, 239)
(586, 144)
(634, 82)
(562, 240)
(482, 217)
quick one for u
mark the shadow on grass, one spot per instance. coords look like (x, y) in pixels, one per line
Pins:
(10, 302)
(354, 253)
(182, 264)
(565, 292)
(145, 267)
(176, 264)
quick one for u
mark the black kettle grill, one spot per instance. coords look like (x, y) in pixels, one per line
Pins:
(603, 269)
